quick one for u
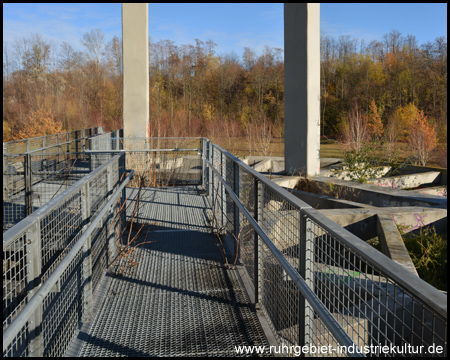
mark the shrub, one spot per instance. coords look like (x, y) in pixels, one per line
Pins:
(428, 251)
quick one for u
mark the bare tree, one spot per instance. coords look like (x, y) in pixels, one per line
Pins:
(93, 41)
(69, 59)
(356, 132)
(37, 58)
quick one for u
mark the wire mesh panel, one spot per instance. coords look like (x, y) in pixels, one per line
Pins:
(15, 282)
(60, 229)
(53, 173)
(16, 147)
(98, 191)
(13, 190)
(371, 307)
(54, 316)
(280, 220)
(246, 233)
(33, 144)
(62, 310)
(20, 346)
(31, 180)
(36, 143)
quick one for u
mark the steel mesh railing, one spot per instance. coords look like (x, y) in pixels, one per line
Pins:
(361, 298)
(367, 299)
(35, 248)
(156, 161)
(31, 180)
(316, 283)
(32, 144)
(36, 169)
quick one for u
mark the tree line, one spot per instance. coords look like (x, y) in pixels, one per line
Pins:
(196, 91)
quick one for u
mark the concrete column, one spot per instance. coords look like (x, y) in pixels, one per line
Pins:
(135, 70)
(302, 88)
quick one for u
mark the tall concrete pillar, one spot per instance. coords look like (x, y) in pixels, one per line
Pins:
(302, 88)
(135, 70)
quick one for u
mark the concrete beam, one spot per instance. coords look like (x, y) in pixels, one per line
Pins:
(392, 244)
(302, 88)
(135, 70)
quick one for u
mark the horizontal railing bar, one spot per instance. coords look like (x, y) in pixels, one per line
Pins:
(45, 136)
(38, 298)
(51, 146)
(152, 138)
(12, 233)
(336, 330)
(144, 150)
(434, 298)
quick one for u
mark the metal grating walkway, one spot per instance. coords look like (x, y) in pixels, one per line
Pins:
(180, 300)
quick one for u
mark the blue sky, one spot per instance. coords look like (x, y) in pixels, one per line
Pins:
(231, 26)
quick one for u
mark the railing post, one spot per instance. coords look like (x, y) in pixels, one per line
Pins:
(223, 173)
(77, 142)
(109, 220)
(91, 155)
(28, 179)
(34, 266)
(258, 244)
(212, 179)
(204, 163)
(6, 175)
(44, 144)
(236, 209)
(306, 261)
(28, 145)
(87, 257)
(120, 145)
(122, 164)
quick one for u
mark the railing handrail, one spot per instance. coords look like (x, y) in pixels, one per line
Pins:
(413, 284)
(48, 147)
(298, 203)
(336, 330)
(143, 150)
(10, 234)
(44, 136)
(45, 289)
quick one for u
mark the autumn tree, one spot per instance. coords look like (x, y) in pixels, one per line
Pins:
(403, 118)
(40, 123)
(422, 138)
(355, 132)
(374, 122)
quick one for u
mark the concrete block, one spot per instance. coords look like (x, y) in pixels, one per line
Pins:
(412, 221)
(408, 181)
(434, 190)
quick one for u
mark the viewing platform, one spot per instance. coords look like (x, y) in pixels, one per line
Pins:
(174, 247)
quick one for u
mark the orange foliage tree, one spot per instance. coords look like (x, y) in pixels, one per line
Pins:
(422, 137)
(40, 123)
(374, 122)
